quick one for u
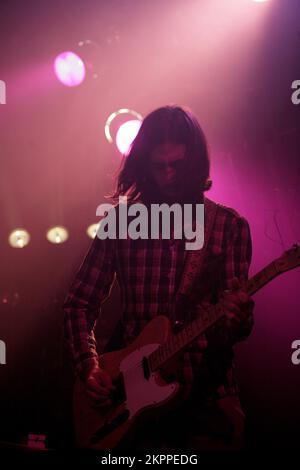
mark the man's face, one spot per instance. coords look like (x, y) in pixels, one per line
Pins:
(166, 164)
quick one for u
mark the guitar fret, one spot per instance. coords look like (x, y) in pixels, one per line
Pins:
(163, 352)
(160, 353)
(188, 331)
(175, 341)
(261, 278)
(184, 335)
(181, 338)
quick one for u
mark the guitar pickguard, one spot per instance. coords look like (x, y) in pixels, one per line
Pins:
(142, 392)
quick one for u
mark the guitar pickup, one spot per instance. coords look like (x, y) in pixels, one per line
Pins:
(118, 395)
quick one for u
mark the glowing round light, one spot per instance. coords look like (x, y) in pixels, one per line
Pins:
(92, 230)
(57, 235)
(126, 134)
(260, 1)
(19, 238)
(113, 116)
(69, 68)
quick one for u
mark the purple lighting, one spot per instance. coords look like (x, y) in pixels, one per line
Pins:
(69, 69)
(126, 134)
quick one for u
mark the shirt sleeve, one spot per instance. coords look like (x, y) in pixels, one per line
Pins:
(91, 286)
(236, 265)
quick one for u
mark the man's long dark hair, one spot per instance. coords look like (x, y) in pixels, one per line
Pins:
(166, 124)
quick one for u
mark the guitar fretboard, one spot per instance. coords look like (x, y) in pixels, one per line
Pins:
(207, 318)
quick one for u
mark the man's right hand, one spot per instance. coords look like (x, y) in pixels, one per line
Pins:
(99, 387)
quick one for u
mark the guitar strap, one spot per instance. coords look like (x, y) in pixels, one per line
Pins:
(192, 267)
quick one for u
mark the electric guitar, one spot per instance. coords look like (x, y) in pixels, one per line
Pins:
(137, 370)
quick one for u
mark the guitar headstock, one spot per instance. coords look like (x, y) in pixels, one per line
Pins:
(290, 259)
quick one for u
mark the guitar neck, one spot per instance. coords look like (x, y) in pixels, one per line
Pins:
(207, 318)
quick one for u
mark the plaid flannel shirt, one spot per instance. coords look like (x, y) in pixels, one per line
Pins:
(148, 273)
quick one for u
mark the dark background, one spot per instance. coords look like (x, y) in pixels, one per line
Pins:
(233, 63)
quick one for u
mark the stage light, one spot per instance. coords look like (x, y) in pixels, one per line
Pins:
(259, 1)
(126, 134)
(19, 238)
(69, 68)
(92, 230)
(57, 235)
(113, 116)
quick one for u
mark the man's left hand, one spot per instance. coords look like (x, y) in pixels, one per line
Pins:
(238, 304)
